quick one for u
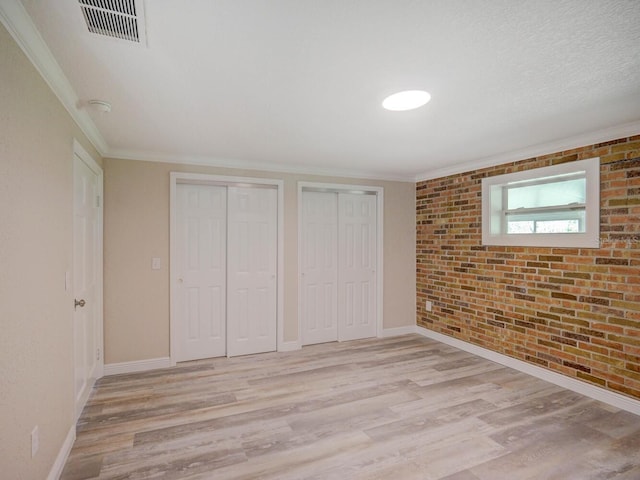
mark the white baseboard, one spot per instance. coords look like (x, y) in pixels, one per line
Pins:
(396, 331)
(289, 346)
(63, 454)
(136, 366)
(592, 391)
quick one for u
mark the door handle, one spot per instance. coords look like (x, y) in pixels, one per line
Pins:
(79, 303)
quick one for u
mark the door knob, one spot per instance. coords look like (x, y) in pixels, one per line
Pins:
(79, 303)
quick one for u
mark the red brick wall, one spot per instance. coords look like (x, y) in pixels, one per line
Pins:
(573, 311)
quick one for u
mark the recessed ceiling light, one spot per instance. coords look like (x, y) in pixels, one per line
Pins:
(407, 100)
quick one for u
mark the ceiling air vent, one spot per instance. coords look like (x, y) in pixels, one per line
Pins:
(120, 19)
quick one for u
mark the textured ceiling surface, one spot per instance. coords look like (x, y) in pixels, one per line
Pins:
(298, 84)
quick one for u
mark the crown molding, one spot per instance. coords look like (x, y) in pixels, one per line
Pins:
(159, 157)
(19, 24)
(610, 133)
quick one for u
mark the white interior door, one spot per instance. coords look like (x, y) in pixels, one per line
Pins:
(357, 266)
(251, 270)
(201, 228)
(86, 241)
(319, 267)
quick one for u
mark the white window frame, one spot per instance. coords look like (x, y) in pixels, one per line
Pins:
(494, 210)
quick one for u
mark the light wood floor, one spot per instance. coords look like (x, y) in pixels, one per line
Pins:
(396, 408)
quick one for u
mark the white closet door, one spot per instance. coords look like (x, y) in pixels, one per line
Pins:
(319, 266)
(201, 212)
(357, 266)
(251, 278)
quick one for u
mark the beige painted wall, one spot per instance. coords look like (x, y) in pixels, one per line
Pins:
(36, 214)
(137, 229)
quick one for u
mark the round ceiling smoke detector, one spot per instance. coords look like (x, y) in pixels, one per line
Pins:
(100, 105)
(406, 100)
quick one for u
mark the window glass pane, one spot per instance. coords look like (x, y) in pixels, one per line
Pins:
(557, 226)
(543, 226)
(520, 227)
(569, 221)
(561, 192)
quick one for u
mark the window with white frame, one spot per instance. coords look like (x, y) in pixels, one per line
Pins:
(557, 206)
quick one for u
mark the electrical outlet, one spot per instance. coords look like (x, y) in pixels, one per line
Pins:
(35, 441)
(427, 305)
(155, 263)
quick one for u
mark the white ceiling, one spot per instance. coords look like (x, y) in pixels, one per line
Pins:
(297, 84)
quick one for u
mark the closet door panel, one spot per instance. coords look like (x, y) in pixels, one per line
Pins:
(201, 217)
(251, 270)
(357, 246)
(319, 267)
